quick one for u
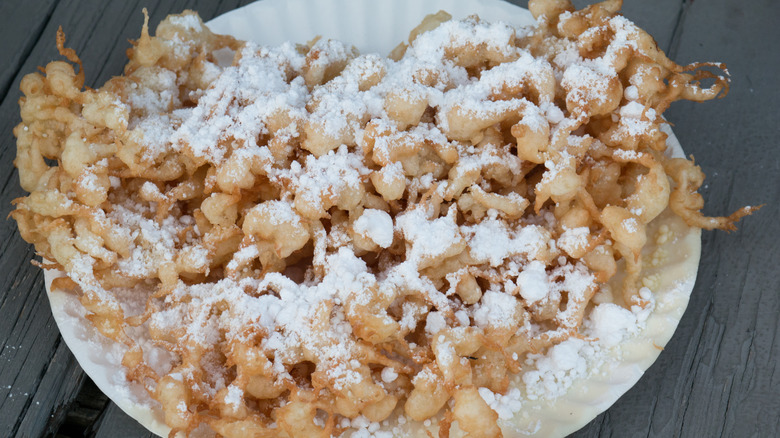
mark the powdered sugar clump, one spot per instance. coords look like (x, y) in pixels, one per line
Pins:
(505, 405)
(608, 325)
(533, 282)
(377, 225)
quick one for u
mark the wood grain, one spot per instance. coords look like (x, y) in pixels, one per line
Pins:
(23, 23)
(719, 374)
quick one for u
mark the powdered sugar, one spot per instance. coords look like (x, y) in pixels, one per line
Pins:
(605, 329)
(574, 240)
(377, 226)
(492, 241)
(496, 309)
(389, 375)
(429, 238)
(610, 323)
(186, 21)
(434, 323)
(555, 372)
(533, 282)
(505, 405)
(238, 104)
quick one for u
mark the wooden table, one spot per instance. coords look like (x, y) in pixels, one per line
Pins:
(719, 375)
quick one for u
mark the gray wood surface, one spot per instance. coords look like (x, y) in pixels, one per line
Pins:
(719, 374)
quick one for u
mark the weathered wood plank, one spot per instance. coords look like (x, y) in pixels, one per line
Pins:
(717, 377)
(84, 411)
(734, 390)
(114, 422)
(731, 387)
(63, 377)
(23, 23)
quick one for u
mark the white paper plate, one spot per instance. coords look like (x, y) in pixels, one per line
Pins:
(378, 26)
